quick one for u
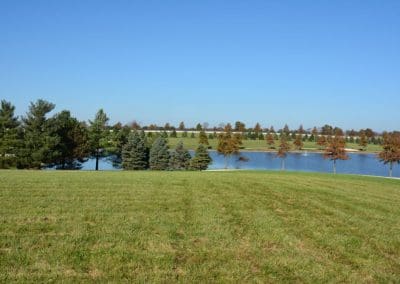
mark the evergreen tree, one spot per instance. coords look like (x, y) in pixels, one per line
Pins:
(173, 133)
(192, 135)
(203, 138)
(38, 149)
(201, 159)
(199, 127)
(118, 137)
(284, 147)
(184, 134)
(159, 155)
(179, 158)
(9, 135)
(135, 153)
(182, 126)
(98, 136)
(72, 146)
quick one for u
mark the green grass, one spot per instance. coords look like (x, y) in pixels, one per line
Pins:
(261, 145)
(198, 227)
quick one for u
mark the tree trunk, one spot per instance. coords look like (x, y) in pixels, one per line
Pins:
(334, 166)
(226, 162)
(390, 169)
(283, 165)
(97, 160)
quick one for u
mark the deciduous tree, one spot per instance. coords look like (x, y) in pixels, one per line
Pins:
(269, 138)
(335, 150)
(390, 153)
(283, 149)
(228, 144)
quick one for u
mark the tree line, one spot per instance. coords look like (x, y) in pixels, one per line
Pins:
(61, 141)
(36, 141)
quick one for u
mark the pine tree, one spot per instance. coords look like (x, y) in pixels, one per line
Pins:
(173, 133)
(184, 134)
(201, 159)
(335, 150)
(203, 138)
(179, 158)
(159, 155)
(72, 146)
(38, 149)
(98, 136)
(135, 153)
(182, 126)
(192, 135)
(9, 135)
(284, 147)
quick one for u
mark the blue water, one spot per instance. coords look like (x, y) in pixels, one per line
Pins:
(365, 164)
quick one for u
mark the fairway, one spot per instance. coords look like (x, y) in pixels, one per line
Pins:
(198, 227)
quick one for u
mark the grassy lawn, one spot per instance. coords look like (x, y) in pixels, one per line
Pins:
(198, 227)
(260, 145)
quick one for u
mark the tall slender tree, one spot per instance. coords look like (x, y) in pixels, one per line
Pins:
(9, 135)
(335, 150)
(99, 136)
(283, 149)
(390, 153)
(38, 149)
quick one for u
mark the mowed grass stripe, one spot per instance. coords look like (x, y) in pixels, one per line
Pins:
(198, 227)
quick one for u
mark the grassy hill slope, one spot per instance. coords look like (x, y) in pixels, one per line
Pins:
(198, 226)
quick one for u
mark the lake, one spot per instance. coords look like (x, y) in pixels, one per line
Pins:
(365, 164)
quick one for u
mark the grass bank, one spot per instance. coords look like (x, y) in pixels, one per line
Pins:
(198, 227)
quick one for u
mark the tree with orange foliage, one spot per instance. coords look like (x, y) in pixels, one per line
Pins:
(321, 141)
(391, 150)
(363, 141)
(284, 147)
(298, 142)
(335, 150)
(270, 140)
(228, 144)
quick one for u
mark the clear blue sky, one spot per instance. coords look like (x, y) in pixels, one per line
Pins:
(276, 62)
